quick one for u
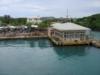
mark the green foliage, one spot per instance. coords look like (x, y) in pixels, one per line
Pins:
(12, 21)
(45, 24)
(92, 22)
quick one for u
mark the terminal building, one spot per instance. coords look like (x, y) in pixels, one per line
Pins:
(69, 34)
(34, 20)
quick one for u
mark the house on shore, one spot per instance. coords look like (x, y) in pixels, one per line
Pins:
(34, 20)
(69, 34)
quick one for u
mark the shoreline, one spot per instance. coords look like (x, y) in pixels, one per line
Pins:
(22, 37)
(92, 43)
(38, 35)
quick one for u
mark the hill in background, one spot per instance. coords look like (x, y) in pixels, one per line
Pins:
(92, 22)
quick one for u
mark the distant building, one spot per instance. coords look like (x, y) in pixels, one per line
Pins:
(69, 33)
(34, 20)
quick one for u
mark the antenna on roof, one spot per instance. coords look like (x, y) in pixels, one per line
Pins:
(68, 17)
(67, 14)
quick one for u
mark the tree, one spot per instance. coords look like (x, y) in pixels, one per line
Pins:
(45, 24)
(6, 19)
(92, 23)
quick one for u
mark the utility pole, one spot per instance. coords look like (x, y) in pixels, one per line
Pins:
(67, 16)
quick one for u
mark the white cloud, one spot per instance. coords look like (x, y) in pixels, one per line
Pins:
(49, 7)
(8, 2)
(18, 6)
(96, 3)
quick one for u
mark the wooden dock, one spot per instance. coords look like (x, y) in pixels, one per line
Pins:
(95, 43)
(21, 36)
(69, 43)
(92, 42)
(56, 42)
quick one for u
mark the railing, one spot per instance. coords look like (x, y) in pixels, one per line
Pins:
(22, 35)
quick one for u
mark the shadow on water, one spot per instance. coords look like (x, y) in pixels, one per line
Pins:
(68, 51)
(11, 43)
(65, 51)
(41, 43)
(37, 42)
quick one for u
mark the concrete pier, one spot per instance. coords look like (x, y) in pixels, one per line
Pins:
(22, 36)
(70, 42)
(96, 43)
(92, 42)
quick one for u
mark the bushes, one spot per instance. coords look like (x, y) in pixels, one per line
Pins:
(92, 22)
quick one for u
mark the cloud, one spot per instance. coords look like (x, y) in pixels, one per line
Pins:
(18, 6)
(8, 2)
(96, 3)
(56, 8)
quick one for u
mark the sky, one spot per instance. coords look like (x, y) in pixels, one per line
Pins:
(56, 8)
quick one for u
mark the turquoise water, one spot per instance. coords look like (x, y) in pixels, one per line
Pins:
(96, 35)
(40, 57)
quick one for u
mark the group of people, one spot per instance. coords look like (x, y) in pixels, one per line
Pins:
(9, 31)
